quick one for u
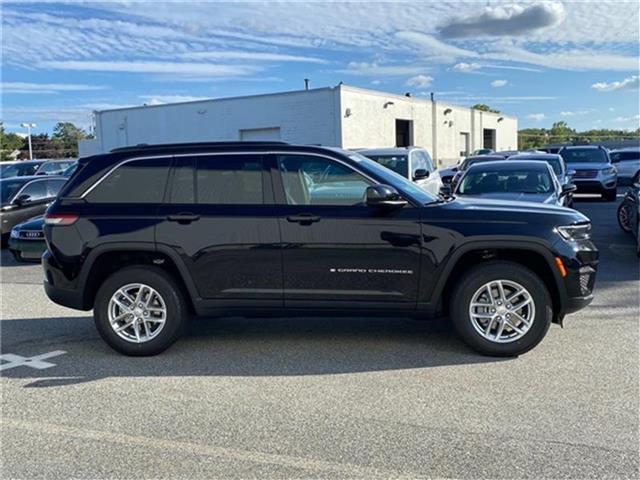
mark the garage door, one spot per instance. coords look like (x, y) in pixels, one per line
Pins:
(260, 134)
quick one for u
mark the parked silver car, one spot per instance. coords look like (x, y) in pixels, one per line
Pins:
(594, 171)
(627, 162)
(564, 176)
(413, 163)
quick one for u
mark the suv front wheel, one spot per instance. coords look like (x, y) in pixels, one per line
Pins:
(501, 308)
(140, 311)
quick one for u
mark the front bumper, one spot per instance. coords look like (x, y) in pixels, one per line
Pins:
(600, 184)
(31, 249)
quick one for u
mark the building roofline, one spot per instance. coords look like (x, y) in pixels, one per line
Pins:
(219, 99)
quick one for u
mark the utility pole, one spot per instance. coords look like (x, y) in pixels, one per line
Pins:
(29, 126)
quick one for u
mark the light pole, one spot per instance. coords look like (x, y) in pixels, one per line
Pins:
(29, 126)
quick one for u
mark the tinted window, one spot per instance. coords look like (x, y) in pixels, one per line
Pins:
(138, 181)
(19, 170)
(397, 163)
(589, 155)
(232, 179)
(183, 182)
(53, 187)
(36, 190)
(310, 180)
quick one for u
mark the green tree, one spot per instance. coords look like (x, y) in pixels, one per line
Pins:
(68, 135)
(484, 108)
(43, 147)
(9, 142)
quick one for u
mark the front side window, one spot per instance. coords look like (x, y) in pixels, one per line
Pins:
(36, 191)
(137, 181)
(310, 180)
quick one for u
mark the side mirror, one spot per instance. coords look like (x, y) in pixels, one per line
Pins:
(420, 173)
(567, 189)
(22, 200)
(384, 196)
(571, 173)
(446, 190)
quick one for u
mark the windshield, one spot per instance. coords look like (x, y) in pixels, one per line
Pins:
(18, 170)
(8, 189)
(505, 181)
(586, 155)
(391, 178)
(397, 163)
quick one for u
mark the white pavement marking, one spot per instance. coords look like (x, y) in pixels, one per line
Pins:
(311, 464)
(38, 362)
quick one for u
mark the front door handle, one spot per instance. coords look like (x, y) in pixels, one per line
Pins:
(303, 218)
(183, 218)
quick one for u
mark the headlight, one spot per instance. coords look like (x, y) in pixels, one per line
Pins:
(580, 231)
(15, 233)
(609, 171)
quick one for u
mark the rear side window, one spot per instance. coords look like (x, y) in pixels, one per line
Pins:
(218, 180)
(624, 156)
(53, 187)
(138, 181)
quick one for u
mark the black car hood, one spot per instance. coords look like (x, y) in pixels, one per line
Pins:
(513, 208)
(32, 224)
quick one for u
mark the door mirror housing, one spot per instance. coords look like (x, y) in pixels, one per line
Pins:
(22, 200)
(420, 173)
(384, 196)
(446, 191)
(567, 189)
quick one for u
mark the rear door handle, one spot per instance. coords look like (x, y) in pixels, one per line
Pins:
(303, 218)
(183, 218)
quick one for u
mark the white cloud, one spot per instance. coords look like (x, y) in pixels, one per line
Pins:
(536, 116)
(569, 113)
(627, 119)
(630, 83)
(254, 56)
(434, 48)
(498, 83)
(466, 67)
(374, 69)
(505, 19)
(375, 82)
(421, 81)
(47, 88)
(173, 68)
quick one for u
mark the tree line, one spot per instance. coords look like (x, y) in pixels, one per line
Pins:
(561, 133)
(63, 143)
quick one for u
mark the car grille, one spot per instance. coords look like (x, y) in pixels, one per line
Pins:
(31, 235)
(586, 174)
(587, 279)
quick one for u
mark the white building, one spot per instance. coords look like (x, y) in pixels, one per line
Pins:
(341, 116)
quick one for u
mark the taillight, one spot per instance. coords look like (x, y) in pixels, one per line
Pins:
(61, 219)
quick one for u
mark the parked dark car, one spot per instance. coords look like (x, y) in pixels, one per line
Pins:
(518, 180)
(22, 198)
(594, 172)
(22, 168)
(147, 235)
(26, 241)
(628, 207)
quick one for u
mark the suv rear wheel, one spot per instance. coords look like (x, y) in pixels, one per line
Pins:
(140, 311)
(501, 308)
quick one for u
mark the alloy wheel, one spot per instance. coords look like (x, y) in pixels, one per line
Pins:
(502, 311)
(137, 313)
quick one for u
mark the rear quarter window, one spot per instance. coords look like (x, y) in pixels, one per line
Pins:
(136, 181)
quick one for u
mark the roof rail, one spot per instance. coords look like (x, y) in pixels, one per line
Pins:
(147, 146)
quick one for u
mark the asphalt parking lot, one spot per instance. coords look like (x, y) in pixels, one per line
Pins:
(324, 398)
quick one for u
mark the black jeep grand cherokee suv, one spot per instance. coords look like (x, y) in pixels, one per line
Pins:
(147, 235)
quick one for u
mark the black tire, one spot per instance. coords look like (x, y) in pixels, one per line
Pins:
(610, 195)
(481, 274)
(159, 280)
(623, 217)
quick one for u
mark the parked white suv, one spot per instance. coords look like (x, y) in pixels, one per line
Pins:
(627, 162)
(413, 163)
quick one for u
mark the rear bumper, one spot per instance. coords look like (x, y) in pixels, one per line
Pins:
(53, 279)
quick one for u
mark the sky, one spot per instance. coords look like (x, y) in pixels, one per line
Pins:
(539, 61)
